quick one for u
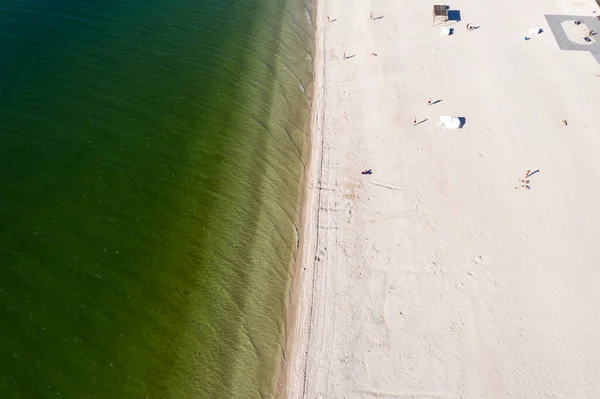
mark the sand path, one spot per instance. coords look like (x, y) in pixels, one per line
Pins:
(434, 277)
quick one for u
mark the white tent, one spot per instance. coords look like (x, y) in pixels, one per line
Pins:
(450, 122)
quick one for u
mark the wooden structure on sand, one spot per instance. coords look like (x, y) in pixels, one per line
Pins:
(441, 11)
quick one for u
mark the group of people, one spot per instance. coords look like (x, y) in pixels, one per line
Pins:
(591, 33)
(524, 183)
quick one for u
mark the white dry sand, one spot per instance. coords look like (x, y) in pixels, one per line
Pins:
(434, 277)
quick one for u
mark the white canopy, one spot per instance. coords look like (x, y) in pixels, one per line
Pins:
(449, 122)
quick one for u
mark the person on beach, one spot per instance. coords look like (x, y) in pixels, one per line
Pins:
(429, 101)
(328, 19)
(415, 121)
(344, 55)
(523, 184)
(468, 26)
(371, 16)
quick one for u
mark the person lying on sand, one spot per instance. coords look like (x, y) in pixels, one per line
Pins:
(522, 183)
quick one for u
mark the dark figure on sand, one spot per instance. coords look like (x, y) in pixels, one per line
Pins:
(524, 183)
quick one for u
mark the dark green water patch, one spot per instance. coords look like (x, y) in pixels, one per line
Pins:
(150, 161)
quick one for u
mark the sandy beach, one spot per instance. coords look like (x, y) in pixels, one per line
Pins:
(440, 275)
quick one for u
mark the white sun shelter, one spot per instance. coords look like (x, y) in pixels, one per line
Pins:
(535, 30)
(449, 122)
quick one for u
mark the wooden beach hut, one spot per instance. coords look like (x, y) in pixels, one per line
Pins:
(440, 12)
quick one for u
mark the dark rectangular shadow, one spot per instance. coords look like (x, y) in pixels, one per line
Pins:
(380, 17)
(454, 15)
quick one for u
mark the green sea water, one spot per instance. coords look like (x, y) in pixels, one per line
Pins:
(151, 159)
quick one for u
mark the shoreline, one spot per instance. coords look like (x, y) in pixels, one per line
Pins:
(206, 121)
(311, 172)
